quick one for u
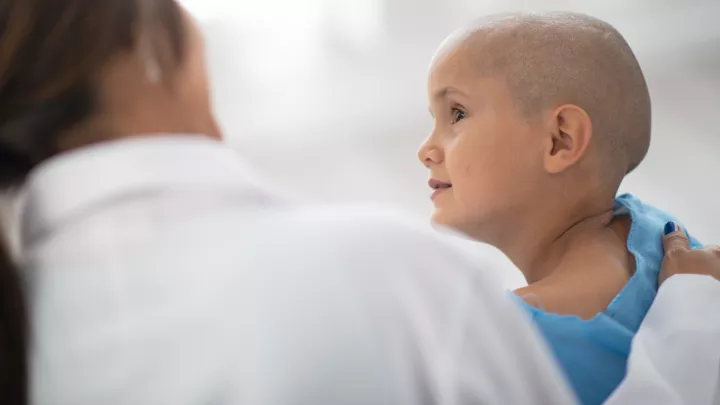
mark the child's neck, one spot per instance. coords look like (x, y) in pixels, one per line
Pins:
(552, 254)
(540, 249)
(583, 270)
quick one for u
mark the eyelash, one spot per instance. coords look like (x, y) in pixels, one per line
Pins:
(455, 112)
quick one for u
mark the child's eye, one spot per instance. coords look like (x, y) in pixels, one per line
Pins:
(457, 115)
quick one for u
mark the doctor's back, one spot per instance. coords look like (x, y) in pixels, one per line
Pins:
(161, 271)
(181, 288)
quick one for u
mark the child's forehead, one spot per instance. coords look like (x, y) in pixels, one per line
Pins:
(451, 61)
(461, 65)
(476, 53)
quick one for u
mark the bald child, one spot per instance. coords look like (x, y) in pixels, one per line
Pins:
(538, 118)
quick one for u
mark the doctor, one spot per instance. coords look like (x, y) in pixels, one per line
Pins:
(161, 271)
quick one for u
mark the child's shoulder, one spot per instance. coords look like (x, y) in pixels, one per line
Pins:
(644, 242)
(647, 225)
(613, 272)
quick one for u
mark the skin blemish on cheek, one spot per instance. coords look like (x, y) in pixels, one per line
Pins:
(468, 169)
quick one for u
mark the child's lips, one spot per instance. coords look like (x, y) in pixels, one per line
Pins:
(438, 186)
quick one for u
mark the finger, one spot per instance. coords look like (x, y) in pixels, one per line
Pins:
(675, 238)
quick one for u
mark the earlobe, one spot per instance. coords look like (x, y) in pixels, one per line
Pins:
(570, 134)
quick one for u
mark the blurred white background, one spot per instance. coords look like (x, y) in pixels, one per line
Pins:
(327, 97)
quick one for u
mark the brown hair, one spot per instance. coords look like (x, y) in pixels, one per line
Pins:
(52, 53)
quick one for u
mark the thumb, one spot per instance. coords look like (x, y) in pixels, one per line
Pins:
(675, 238)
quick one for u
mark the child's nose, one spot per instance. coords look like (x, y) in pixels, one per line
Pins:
(429, 154)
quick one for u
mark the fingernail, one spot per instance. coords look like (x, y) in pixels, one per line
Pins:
(670, 227)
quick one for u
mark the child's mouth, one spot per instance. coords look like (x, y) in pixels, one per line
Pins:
(438, 187)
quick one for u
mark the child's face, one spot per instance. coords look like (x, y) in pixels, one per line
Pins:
(481, 146)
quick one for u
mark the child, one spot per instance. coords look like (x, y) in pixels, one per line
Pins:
(538, 118)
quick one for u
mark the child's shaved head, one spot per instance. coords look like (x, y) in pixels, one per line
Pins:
(537, 117)
(567, 58)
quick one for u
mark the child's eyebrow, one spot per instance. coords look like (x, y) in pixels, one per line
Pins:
(444, 92)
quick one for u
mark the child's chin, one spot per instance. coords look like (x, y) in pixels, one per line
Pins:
(444, 217)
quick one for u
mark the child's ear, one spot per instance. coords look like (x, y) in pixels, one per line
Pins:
(570, 132)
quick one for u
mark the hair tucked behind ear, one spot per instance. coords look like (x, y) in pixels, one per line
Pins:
(52, 55)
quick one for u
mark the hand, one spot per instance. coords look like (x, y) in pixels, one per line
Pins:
(680, 259)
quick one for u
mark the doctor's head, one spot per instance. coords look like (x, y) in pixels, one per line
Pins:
(77, 72)
(537, 116)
